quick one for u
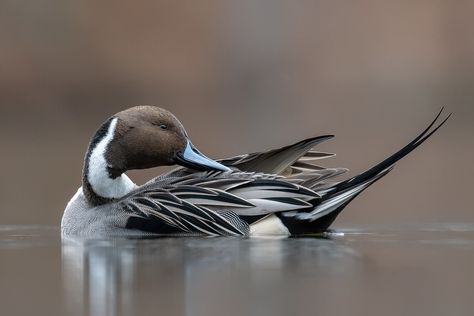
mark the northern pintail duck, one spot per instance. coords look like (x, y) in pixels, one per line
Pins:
(275, 192)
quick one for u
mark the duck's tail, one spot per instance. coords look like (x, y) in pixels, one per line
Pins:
(335, 198)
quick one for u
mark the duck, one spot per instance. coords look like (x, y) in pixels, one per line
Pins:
(277, 192)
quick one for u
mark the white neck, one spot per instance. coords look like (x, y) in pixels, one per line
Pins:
(98, 174)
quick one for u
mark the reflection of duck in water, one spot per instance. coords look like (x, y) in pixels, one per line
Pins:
(277, 192)
(199, 276)
(111, 277)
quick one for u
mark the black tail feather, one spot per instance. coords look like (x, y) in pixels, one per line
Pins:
(324, 213)
(390, 161)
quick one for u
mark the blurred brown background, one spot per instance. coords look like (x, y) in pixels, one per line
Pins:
(242, 76)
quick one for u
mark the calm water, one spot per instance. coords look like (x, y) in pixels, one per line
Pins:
(402, 270)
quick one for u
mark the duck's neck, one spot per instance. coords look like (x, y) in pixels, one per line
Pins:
(100, 183)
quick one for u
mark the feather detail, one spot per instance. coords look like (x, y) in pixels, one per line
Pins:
(180, 216)
(276, 161)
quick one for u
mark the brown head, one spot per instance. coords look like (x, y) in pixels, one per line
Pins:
(138, 138)
(145, 137)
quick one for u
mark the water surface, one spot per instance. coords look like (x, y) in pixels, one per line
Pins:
(373, 270)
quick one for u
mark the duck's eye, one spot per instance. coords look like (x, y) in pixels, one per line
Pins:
(160, 125)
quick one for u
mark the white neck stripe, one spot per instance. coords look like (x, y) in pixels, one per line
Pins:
(98, 175)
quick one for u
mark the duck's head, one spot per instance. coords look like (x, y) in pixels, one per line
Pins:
(138, 138)
(149, 136)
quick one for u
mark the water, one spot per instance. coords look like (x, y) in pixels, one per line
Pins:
(383, 270)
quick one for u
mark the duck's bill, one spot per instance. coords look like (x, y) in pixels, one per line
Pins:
(192, 158)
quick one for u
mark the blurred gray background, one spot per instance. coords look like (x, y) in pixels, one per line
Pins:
(242, 76)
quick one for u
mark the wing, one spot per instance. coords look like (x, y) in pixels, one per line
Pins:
(166, 212)
(296, 162)
(278, 180)
(244, 193)
(295, 158)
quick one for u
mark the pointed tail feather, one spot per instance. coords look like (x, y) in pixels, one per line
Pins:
(390, 161)
(336, 198)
